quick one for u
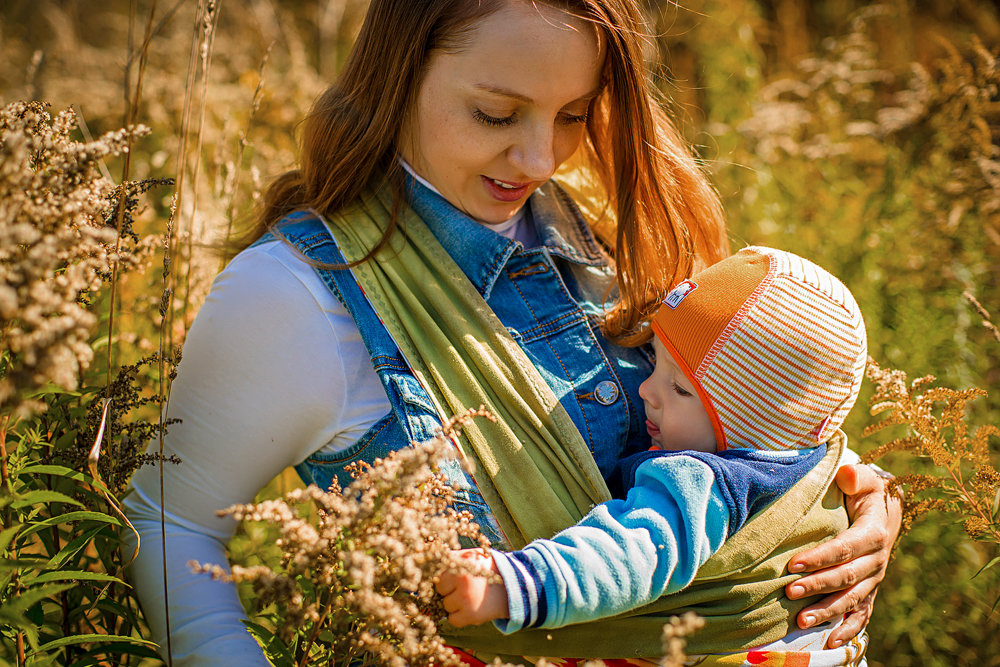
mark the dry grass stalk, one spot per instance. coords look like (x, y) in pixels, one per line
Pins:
(966, 482)
(985, 314)
(357, 582)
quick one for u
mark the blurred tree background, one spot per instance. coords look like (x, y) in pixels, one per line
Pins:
(862, 136)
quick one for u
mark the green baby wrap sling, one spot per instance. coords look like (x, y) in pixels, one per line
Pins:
(534, 469)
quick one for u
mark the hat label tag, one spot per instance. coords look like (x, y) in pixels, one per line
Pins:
(678, 293)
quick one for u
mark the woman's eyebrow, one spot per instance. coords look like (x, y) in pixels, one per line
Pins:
(503, 92)
(507, 92)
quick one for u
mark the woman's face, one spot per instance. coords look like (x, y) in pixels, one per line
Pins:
(495, 119)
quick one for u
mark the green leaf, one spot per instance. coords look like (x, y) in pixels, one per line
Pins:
(72, 548)
(8, 535)
(86, 639)
(106, 604)
(13, 610)
(12, 564)
(43, 496)
(274, 650)
(51, 389)
(61, 471)
(116, 649)
(69, 517)
(72, 575)
(986, 567)
(66, 440)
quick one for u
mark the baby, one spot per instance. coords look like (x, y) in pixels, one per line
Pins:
(759, 358)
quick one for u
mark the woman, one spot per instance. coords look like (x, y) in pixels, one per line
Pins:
(450, 116)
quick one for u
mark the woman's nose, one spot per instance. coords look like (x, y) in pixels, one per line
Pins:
(534, 155)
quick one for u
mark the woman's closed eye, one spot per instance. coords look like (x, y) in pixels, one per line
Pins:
(573, 118)
(493, 121)
(506, 121)
(681, 390)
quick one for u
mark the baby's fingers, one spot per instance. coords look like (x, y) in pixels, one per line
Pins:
(446, 584)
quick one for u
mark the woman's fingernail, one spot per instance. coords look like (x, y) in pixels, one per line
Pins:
(798, 591)
(809, 619)
(796, 567)
(835, 643)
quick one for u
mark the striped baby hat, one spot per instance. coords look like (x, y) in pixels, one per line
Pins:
(774, 345)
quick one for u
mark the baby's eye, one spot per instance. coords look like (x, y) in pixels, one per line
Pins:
(492, 121)
(681, 390)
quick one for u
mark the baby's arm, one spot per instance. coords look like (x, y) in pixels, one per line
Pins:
(623, 554)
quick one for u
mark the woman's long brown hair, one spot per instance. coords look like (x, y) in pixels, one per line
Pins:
(669, 218)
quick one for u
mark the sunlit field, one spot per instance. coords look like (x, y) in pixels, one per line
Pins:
(136, 140)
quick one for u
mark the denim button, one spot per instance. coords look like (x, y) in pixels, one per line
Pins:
(606, 392)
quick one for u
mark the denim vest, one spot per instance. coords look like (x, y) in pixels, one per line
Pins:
(549, 297)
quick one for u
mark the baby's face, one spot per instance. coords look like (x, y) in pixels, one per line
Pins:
(675, 416)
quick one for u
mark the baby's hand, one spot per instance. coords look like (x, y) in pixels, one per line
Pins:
(470, 599)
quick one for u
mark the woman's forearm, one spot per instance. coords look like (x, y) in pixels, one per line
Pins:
(205, 616)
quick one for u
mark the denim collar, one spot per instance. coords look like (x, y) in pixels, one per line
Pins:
(481, 253)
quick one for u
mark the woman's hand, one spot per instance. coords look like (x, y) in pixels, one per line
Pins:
(848, 568)
(472, 599)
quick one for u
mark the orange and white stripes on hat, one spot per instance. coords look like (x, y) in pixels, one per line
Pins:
(775, 346)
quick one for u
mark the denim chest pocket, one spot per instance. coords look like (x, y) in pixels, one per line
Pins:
(386, 435)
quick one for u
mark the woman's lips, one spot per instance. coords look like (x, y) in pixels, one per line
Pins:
(652, 429)
(505, 191)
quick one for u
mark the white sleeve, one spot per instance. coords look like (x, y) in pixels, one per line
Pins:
(260, 387)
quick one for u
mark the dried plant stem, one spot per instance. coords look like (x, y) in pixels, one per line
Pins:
(327, 608)
(208, 21)
(163, 391)
(914, 415)
(81, 122)
(182, 154)
(64, 595)
(131, 111)
(971, 501)
(987, 321)
(5, 480)
(4, 475)
(935, 418)
(242, 144)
